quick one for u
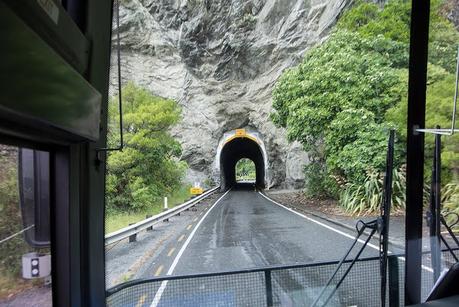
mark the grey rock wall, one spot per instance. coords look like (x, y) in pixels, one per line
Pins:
(450, 10)
(220, 59)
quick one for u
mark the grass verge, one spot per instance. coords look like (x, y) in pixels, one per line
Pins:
(118, 220)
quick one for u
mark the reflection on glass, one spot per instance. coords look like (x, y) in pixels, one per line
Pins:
(441, 152)
(25, 264)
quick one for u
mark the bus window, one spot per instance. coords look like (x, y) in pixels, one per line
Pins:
(25, 265)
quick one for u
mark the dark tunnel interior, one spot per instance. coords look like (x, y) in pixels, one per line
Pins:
(235, 150)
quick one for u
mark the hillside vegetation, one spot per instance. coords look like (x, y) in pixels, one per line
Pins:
(245, 170)
(345, 95)
(148, 168)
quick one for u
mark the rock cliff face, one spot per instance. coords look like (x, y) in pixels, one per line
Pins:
(450, 10)
(220, 59)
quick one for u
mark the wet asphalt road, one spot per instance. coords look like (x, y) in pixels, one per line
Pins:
(245, 230)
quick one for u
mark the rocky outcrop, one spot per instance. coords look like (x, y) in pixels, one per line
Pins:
(220, 59)
(450, 10)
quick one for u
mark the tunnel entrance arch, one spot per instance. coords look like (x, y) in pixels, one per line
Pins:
(238, 144)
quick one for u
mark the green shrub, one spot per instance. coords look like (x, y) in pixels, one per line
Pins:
(318, 182)
(450, 201)
(392, 20)
(334, 103)
(439, 103)
(148, 167)
(347, 92)
(368, 197)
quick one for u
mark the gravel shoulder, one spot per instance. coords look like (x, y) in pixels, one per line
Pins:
(34, 297)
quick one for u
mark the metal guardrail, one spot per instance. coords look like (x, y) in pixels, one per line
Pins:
(149, 222)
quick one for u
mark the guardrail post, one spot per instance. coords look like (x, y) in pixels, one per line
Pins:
(132, 238)
(147, 224)
(147, 217)
(165, 208)
(269, 288)
(394, 284)
(193, 208)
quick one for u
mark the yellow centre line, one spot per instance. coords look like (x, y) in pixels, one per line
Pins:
(171, 252)
(159, 270)
(141, 300)
(189, 227)
(181, 238)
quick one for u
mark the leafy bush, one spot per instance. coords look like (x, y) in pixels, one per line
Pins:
(318, 182)
(450, 201)
(443, 39)
(368, 19)
(334, 104)
(148, 167)
(335, 101)
(355, 144)
(440, 93)
(368, 197)
(393, 22)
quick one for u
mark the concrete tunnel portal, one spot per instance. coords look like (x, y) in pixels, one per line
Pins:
(238, 144)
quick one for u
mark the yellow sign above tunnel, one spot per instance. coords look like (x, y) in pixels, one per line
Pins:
(240, 132)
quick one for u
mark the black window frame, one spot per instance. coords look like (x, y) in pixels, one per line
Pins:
(78, 173)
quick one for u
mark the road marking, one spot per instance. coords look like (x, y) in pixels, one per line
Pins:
(195, 219)
(429, 269)
(141, 300)
(181, 238)
(171, 251)
(189, 227)
(159, 270)
(161, 289)
(317, 222)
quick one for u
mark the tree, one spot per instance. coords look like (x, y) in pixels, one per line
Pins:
(439, 104)
(370, 20)
(245, 169)
(335, 100)
(148, 167)
(393, 22)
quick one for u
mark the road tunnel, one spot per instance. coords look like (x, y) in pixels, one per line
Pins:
(232, 151)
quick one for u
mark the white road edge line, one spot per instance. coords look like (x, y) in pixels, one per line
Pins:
(318, 223)
(161, 289)
(334, 229)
